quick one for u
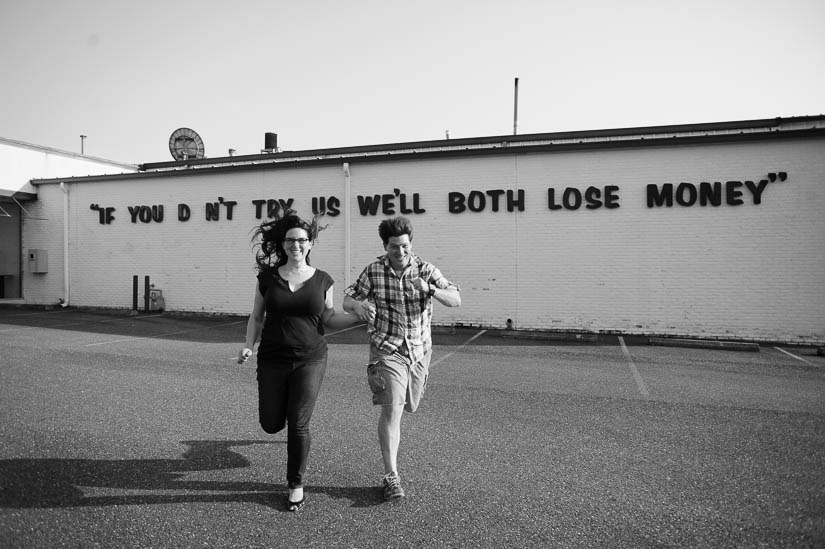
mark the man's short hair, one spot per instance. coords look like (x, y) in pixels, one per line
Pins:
(395, 226)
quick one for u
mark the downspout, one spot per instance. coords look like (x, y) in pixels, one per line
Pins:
(65, 300)
(347, 228)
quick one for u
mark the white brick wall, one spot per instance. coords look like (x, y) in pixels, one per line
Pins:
(750, 271)
(44, 230)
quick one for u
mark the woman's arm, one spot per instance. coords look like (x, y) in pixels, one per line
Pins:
(335, 320)
(253, 326)
(364, 310)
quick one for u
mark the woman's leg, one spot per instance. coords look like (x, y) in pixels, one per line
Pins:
(304, 386)
(272, 398)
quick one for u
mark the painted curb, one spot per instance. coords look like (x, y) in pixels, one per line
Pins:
(704, 344)
(554, 336)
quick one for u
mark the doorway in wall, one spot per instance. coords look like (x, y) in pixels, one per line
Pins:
(10, 251)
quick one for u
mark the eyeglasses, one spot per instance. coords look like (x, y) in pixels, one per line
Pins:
(291, 241)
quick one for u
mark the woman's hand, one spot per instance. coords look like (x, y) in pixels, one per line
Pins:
(244, 355)
(366, 311)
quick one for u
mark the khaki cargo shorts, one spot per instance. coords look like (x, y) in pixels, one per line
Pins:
(394, 379)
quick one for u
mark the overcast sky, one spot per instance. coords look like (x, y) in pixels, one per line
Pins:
(337, 73)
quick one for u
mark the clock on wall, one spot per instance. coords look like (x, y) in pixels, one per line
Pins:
(185, 144)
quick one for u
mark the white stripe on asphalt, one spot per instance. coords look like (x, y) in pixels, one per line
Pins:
(359, 325)
(39, 313)
(161, 335)
(329, 334)
(448, 355)
(17, 329)
(796, 357)
(639, 382)
(79, 323)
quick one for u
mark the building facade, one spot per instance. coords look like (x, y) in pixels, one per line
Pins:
(706, 230)
(21, 162)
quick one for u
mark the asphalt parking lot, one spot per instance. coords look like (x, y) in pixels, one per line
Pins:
(124, 430)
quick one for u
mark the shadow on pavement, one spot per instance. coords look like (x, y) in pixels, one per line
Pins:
(41, 483)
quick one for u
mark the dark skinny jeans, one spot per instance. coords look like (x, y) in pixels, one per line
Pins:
(287, 392)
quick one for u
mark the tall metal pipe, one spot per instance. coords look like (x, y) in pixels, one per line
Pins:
(65, 189)
(347, 226)
(515, 108)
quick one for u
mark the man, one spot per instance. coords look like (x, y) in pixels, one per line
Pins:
(394, 296)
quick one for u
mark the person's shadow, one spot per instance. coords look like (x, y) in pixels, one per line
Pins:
(32, 483)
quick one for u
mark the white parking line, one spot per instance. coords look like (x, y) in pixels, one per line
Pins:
(796, 357)
(359, 325)
(161, 335)
(37, 313)
(16, 329)
(119, 319)
(79, 323)
(639, 382)
(451, 353)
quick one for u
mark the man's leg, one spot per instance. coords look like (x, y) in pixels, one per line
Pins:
(388, 377)
(389, 435)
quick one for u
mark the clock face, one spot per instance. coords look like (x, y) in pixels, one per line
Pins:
(185, 144)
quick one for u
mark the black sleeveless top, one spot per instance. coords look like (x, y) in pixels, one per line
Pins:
(293, 328)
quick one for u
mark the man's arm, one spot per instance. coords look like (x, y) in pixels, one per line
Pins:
(448, 296)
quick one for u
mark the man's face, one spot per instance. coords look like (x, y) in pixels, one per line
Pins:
(399, 250)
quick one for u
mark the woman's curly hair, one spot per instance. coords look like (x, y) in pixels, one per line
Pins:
(270, 252)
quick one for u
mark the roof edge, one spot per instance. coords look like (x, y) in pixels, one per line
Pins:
(686, 134)
(69, 154)
(605, 134)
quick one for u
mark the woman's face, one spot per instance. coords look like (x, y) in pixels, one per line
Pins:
(297, 244)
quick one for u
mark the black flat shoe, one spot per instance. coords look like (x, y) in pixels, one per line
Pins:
(293, 506)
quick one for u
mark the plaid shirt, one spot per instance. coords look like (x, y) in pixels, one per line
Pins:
(402, 314)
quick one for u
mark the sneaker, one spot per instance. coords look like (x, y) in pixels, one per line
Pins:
(392, 487)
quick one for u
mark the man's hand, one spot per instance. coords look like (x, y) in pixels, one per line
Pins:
(420, 285)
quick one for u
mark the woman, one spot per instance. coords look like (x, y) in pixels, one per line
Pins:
(293, 303)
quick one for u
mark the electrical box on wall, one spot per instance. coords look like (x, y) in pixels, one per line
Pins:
(38, 261)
